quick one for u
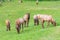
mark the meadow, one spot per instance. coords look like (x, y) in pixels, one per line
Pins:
(14, 10)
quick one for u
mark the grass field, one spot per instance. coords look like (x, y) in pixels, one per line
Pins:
(14, 10)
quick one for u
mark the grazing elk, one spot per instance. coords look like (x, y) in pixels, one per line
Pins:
(47, 18)
(19, 24)
(26, 19)
(36, 21)
(7, 25)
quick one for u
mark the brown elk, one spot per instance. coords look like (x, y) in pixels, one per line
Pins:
(36, 21)
(26, 19)
(47, 18)
(7, 25)
(19, 24)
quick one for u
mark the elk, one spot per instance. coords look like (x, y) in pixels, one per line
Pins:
(19, 24)
(36, 21)
(26, 19)
(47, 18)
(7, 25)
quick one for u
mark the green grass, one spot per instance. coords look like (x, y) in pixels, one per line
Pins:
(14, 10)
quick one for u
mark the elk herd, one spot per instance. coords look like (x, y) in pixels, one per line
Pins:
(21, 22)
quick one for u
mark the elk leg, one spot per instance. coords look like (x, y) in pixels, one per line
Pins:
(28, 21)
(22, 27)
(18, 29)
(25, 23)
(34, 22)
(9, 27)
(48, 23)
(42, 24)
(37, 22)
